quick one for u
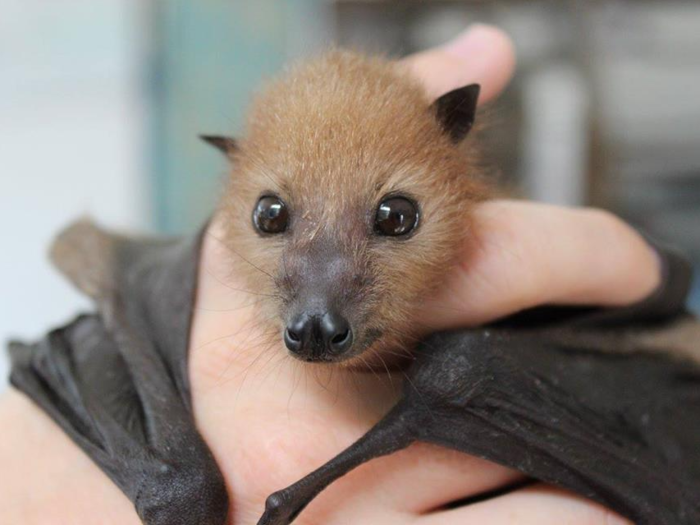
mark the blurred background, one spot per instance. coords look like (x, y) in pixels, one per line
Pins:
(101, 102)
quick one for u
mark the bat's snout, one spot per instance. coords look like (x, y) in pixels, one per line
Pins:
(324, 336)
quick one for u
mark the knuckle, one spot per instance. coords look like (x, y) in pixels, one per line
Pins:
(518, 258)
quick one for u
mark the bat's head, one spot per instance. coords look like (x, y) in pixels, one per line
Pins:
(348, 202)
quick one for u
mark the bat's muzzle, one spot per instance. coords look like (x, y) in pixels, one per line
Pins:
(319, 337)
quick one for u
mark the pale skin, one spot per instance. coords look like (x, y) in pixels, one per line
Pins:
(270, 420)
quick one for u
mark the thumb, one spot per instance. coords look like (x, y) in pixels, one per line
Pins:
(482, 54)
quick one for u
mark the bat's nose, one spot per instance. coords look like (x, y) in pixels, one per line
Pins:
(318, 337)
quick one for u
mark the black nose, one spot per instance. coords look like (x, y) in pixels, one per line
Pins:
(315, 337)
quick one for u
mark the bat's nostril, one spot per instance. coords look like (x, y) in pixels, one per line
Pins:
(292, 339)
(340, 338)
(336, 332)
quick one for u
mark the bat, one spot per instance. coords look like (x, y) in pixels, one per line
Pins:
(349, 195)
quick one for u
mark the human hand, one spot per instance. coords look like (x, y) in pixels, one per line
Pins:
(270, 420)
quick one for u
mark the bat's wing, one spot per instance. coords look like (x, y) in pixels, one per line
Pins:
(116, 381)
(622, 430)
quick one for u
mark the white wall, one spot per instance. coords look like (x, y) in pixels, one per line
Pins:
(71, 120)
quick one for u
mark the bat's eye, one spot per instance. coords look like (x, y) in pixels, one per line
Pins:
(396, 216)
(270, 215)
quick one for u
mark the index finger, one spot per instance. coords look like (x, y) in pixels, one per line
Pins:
(524, 254)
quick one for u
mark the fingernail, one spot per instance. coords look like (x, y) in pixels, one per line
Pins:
(470, 40)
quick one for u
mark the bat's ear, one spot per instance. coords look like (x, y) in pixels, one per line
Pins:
(226, 145)
(456, 111)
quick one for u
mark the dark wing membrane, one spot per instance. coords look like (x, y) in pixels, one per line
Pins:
(116, 381)
(622, 430)
(78, 377)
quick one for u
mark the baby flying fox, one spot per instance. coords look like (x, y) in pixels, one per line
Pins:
(348, 200)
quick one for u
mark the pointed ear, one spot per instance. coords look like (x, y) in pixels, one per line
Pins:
(226, 145)
(456, 111)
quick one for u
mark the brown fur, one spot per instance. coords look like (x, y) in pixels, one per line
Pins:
(332, 137)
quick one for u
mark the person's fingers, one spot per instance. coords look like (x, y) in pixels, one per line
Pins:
(482, 54)
(520, 255)
(536, 505)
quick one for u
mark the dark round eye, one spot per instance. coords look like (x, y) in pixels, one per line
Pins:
(271, 215)
(396, 216)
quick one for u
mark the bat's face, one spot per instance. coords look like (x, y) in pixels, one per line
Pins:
(344, 219)
(342, 267)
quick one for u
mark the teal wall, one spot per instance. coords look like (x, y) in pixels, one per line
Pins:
(208, 56)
